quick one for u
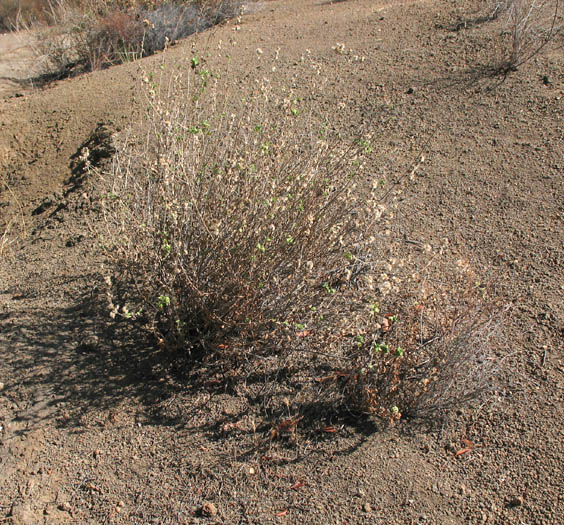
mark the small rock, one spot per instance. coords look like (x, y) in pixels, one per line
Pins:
(367, 507)
(410, 91)
(546, 80)
(65, 506)
(516, 501)
(209, 509)
(1, 386)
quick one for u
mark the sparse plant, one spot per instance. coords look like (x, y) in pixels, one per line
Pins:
(16, 226)
(16, 14)
(249, 219)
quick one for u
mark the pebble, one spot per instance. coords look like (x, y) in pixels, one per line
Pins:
(367, 507)
(209, 509)
(1, 386)
(516, 501)
(65, 507)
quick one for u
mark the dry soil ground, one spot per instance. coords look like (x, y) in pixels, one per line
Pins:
(94, 429)
(17, 62)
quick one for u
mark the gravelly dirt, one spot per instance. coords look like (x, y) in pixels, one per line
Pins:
(17, 62)
(96, 430)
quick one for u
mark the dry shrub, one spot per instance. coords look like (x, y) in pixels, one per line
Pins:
(245, 233)
(175, 20)
(85, 40)
(435, 351)
(236, 219)
(530, 25)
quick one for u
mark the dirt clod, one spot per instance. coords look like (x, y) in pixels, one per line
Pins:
(65, 507)
(209, 509)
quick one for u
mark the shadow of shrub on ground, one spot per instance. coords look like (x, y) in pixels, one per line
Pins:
(84, 366)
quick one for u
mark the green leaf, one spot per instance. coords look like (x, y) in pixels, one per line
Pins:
(163, 301)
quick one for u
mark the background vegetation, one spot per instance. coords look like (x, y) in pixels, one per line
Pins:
(75, 36)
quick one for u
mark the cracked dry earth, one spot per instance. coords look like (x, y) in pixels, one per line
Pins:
(94, 429)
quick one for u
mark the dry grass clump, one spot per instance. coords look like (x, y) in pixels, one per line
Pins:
(247, 234)
(18, 13)
(15, 226)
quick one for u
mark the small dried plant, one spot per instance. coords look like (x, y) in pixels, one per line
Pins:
(15, 227)
(434, 350)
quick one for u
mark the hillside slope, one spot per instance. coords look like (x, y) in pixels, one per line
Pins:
(94, 429)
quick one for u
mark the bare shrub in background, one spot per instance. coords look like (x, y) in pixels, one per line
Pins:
(530, 25)
(172, 21)
(246, 234)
